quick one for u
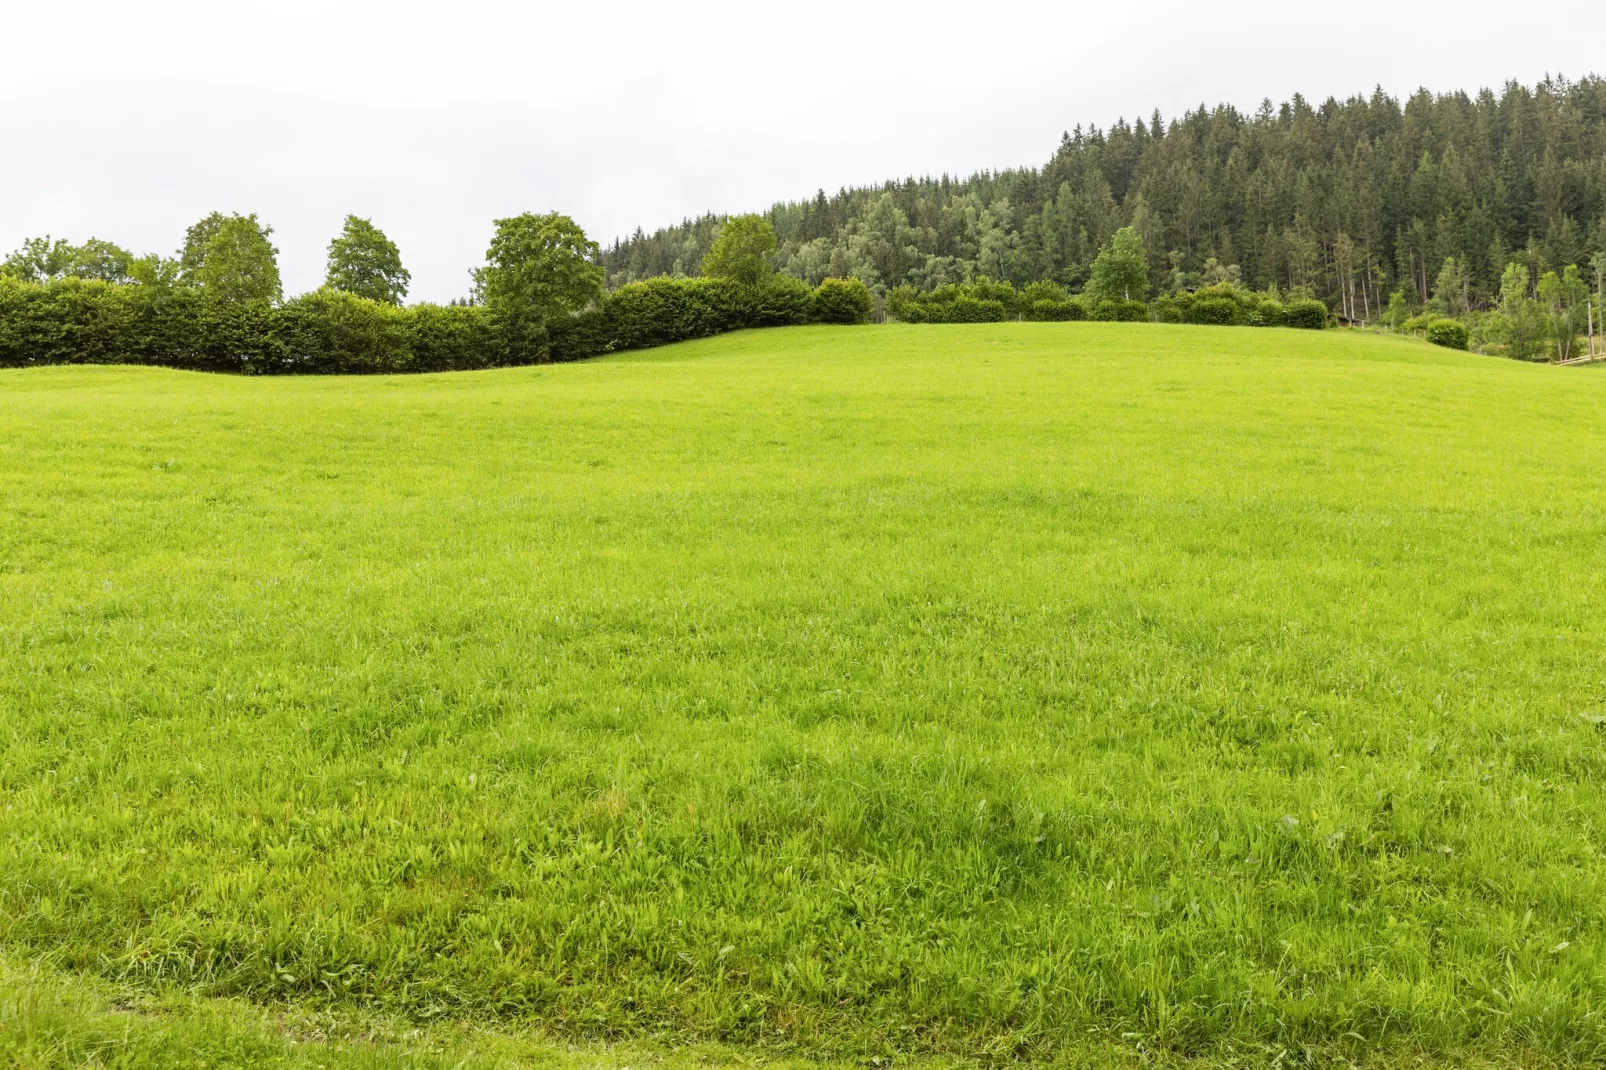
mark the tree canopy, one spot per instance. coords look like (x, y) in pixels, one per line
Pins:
(238, 262)
(43, 259)
(363, 261)
(1121, 270)
(540, 266)
(1347, 200)
(741, 251)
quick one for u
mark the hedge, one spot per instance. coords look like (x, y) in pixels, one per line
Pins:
(843, 301)
(1223, 305)
(72, 321)
(1451, 334)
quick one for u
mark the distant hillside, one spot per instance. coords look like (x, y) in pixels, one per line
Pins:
(1350, 199)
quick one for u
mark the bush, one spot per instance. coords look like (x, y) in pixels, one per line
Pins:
(452, 337)
(1212, 311)
(1451, 334)
(982, 301)
(971, 310)
(330, 331)
(656, 312)
(1119, 311)
(985, 290)
(1306, 313)
(576, 337)
(779, 301)
(1046, 290)
(1169, 308)
(1056, 311)
(843, 301)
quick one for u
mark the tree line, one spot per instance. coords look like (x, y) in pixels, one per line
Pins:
(219, 304)
(1362, 204)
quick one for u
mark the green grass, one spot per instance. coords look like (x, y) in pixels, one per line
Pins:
(1013, 691)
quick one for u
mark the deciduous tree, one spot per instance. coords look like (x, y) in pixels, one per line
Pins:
(238, 261)
(540, 266)
(742, 251)
(1121, 270)
(363, 261)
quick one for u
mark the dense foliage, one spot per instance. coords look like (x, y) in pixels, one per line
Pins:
(1449, 333)
(363, 261)
(742, 251)
(987, 301)
(77, 321)
(1348, 202)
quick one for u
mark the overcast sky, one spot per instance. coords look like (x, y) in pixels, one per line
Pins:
(130, 121)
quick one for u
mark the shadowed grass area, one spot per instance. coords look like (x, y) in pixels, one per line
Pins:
(968, 691)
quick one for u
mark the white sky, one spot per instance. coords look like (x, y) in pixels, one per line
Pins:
(129, 121)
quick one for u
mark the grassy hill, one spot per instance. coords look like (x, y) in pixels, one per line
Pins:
(1010, 691)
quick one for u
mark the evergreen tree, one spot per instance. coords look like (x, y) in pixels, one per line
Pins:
(1348, 201)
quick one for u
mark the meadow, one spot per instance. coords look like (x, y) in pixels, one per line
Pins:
(1008, 692)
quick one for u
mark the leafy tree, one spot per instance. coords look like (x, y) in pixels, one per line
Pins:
(154, 270)
(1517, 321)
(1215, 272)
(238, 263)
(38, 260)
(742, 251)
(539, 267)
(1121, 270)
(1564, 297)
(41, 259)
(363, 261)
(1398, 311)
(196, 239)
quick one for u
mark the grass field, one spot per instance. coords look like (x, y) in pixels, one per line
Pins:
(1018, 691)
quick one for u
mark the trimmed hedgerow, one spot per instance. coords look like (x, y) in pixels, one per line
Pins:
(1307, 313)
(72, 321)
(845, 301)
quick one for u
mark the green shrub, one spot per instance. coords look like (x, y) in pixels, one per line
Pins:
(1214, 310)
(587, 334)
(1169, 308)
(902, 300)
(1056, 311)
(1267, 312)
(656, 312)
(1045, 290)
(1306, 313)
(843, 301)
(985, 289)
(1119, 311)
(778, 301)
(452, 337)
(331, 331)
(1451, 334)
(972, 310)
